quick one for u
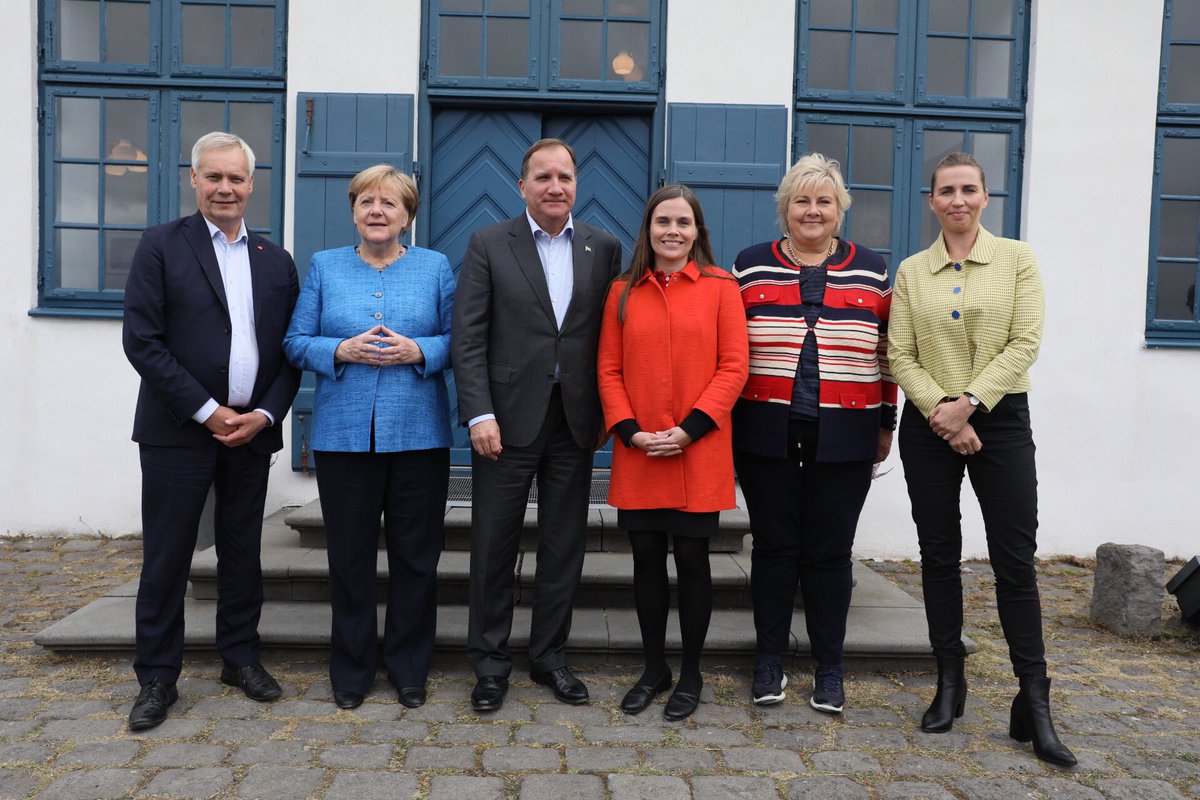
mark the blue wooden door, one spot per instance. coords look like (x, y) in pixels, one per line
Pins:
(338, 136)
(474, 164)
(733, 157)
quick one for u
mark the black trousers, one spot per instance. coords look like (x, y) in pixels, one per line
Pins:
(500, 494)
(803, 515)
(409, 489)
(175, 484)
(1004, 477)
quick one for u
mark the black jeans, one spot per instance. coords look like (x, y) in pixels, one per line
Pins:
(1004, 477)
(803, 514)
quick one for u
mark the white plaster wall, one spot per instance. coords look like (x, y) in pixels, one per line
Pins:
(1114, 421)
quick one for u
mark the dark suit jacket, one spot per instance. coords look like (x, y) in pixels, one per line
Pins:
(177, 333)
(505, 342)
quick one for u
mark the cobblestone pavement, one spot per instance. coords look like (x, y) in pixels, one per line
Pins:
(1129, 709)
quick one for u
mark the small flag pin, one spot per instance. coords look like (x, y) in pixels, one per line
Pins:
(587, 249)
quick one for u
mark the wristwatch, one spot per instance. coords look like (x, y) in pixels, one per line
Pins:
(974, 400)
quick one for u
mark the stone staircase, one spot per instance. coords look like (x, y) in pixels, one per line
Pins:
(886, 628)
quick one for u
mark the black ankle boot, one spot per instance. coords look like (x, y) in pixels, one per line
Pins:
(1030, 720)
(951, 696)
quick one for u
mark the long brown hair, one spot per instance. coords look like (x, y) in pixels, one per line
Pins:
(642, 262)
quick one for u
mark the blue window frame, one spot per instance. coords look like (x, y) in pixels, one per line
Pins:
(124, 94)
(543, 46)
(888, 87)
(1174, 258)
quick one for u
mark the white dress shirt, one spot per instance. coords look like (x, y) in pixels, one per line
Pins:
(233, 257)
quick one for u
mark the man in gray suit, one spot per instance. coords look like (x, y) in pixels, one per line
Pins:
(526, 320)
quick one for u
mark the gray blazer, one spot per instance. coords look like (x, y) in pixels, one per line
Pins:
(505, 342)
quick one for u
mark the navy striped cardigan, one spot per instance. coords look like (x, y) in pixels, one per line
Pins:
(857, 391)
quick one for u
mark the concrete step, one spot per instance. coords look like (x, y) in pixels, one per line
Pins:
(603, 535)
(886, 629)
(292, 571)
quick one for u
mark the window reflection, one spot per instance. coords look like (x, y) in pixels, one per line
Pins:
(196, 119)
(507, 47)
(990, 64)
(459, 45)
(993, 17)
(127, 32)
(78, 189)
(877, 14)
(1176, 283)
(253, 32)
(828, 60)
(254, 122)
(258, 213)
(875, 62)
(78, 259)
(79, 30)
(872, 157)
(118, 255)
(1178, 228)
(1181, 165)
(204, 35)
(871, 218)
(581, 50)
(831, 12)
(1183, 81)
(79, 127)
(946, 68)
(948, 16)
(628, 50)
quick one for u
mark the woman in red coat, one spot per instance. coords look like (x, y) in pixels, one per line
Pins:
(673, 358)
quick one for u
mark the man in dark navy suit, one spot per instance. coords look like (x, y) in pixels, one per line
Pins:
(206, 307)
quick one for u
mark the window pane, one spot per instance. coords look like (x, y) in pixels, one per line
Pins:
(196, 119)
(125, 129)
(258, 210)
(938, 145)
(508, 7)
(204, 35)
(875, 63)
(127, 31)
(992, 217)
(507, 48)
(628, 8)
(1183, 78)
(948, 16)
(1175, 283)
(828, 140)
(1180, 166)
(459, 43)
(872, 156)
(253, 122)
(990, 62)
(253, 36)
(830, 12)
(187, 195)
(78, 187)
(991, 151)
(79, 30)
(580, 56)
(828, 60)
(1178, 229)
(632, 38)
(871, 218)
(876, 14)
(994, 17)
(125, 197)
(929, 224)
(78, 127)
(590, 8)
(1185, 20)
(78, 257)
(462, 5)
(118, 255)
(946, 70)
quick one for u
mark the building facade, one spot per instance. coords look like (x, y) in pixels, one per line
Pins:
(1085, 114)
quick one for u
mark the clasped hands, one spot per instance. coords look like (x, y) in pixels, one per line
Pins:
(949, 421)
(663, 443)
(233, 429)
(379, 347)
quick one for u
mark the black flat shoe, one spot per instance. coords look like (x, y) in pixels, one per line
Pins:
(567, 688)
(347, 700)
(488, 694)
(681, 706)
(639, 698)
(253, 679)
(411, 696)
(150, 708)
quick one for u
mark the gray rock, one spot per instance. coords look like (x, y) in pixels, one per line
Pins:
(600, 759)
(371, 786)
(187, 754)
(825, 789)
(647, 787)
(558, 787)
(688, 760)
(521, 759)
(464, 787)
(1133, 789)
(1063, 789)
(536, 733)
(623, 734)
(1128, 593)
(272, 752)
(430, 757)
(726, 788)
(17, 783)
(989, 788)
(763, 759)
(844, 761)
(204, 782)
(93, 784)
(281, 783)
(244, 730)
(912, 790)
(357, 756)
(473, 734)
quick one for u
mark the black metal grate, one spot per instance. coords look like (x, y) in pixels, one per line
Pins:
(460, 491)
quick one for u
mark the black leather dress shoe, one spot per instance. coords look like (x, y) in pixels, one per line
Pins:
(488, 694)
(639, 698)
(347, 699)
(255, 681)
(567, 688)
(150, 708)
(411, 696)
(681, 706)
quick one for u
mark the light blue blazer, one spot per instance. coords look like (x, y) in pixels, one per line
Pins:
(344, 296)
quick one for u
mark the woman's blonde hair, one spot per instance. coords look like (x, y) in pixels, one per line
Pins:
(809, 171)
(388, 176)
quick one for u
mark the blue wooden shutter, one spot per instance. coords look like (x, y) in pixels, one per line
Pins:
(733, 157)
(338, 136)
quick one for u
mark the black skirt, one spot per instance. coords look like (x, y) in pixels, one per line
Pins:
(670, 520)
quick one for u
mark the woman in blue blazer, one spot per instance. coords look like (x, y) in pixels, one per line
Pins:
(373, 322)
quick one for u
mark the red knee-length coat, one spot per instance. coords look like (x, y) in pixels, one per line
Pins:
(680, 348)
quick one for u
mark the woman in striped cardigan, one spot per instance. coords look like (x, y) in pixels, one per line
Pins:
(814, 418)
